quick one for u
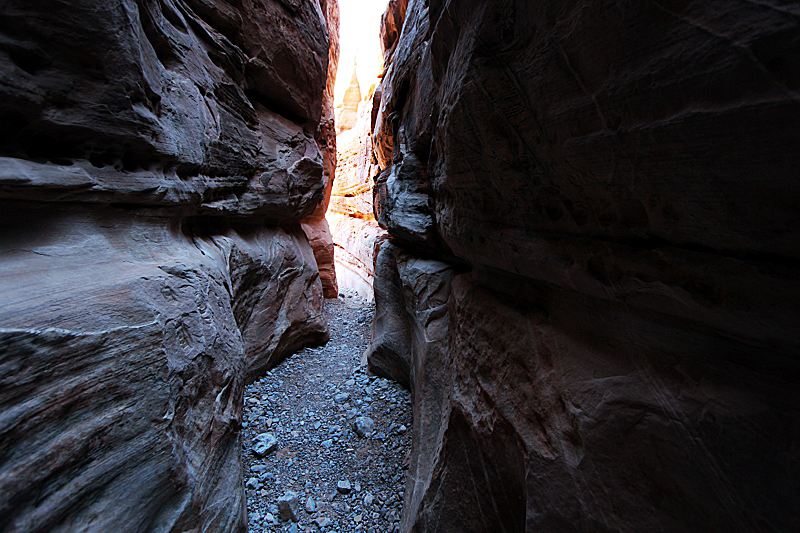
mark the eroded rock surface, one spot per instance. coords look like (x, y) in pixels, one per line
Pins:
(593, 263)
(347, 111)
(351, 215)
(315, 226)
(156, 159)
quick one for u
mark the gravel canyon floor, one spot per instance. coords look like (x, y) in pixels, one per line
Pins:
(337, 440)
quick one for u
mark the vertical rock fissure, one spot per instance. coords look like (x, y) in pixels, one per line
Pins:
(326, 443)
(350, 214)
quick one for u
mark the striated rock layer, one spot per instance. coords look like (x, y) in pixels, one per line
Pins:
(350, 214)
(315, 226)
(592, 281)
(156, 160)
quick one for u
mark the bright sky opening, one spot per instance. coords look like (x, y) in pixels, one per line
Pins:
(359, 38)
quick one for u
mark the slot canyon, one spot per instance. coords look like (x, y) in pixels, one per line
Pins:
(539, 271)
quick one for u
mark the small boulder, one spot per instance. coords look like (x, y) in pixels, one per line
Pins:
(289, 505)
(322, 522)
(341, 397)
(264, 443)
(364, 426)
(311, 505)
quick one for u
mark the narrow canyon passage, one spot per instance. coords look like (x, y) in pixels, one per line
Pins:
(326, 446)
(579, 221)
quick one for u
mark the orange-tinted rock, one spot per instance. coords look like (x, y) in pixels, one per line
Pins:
(617, 183)
(347, 111)
(391, 26)
(355, 240)
(350, 214)
(319, 237)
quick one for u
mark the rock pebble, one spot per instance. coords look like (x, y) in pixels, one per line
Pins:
(322, 522)
(342, 397)
(364, 426)
(311, 505)
(264, 443)
(328, 422)
(289, 505)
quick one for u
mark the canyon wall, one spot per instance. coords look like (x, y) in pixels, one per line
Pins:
(592, 284)
(157, 158)
(316, 226)
(350, 214)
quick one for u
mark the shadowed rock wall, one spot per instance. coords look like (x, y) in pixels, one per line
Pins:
(592, 281)
(156, 159)
(316, 227)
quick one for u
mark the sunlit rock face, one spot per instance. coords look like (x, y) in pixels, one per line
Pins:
(156, 159)
(347, 110)
(350, 214)
(592, 285)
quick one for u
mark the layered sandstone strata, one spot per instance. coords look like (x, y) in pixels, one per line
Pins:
(156, 160)
(350, 214)
(592, 285)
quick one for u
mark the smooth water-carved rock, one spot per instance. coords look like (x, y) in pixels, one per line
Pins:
(266, 263)
(315, 226)
(156, 160)
(124, 356)
(318, 233)
(609, 342)
(165, 116)
(391, 25)
(389, 354)
(404, 205)
(355, 240)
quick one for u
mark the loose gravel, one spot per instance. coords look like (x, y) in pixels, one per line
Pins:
(342, 437)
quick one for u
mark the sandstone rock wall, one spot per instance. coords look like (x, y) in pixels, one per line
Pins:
(316, 227)
(592, 285)
(350, 214)
(156, 159)
(347, 110)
